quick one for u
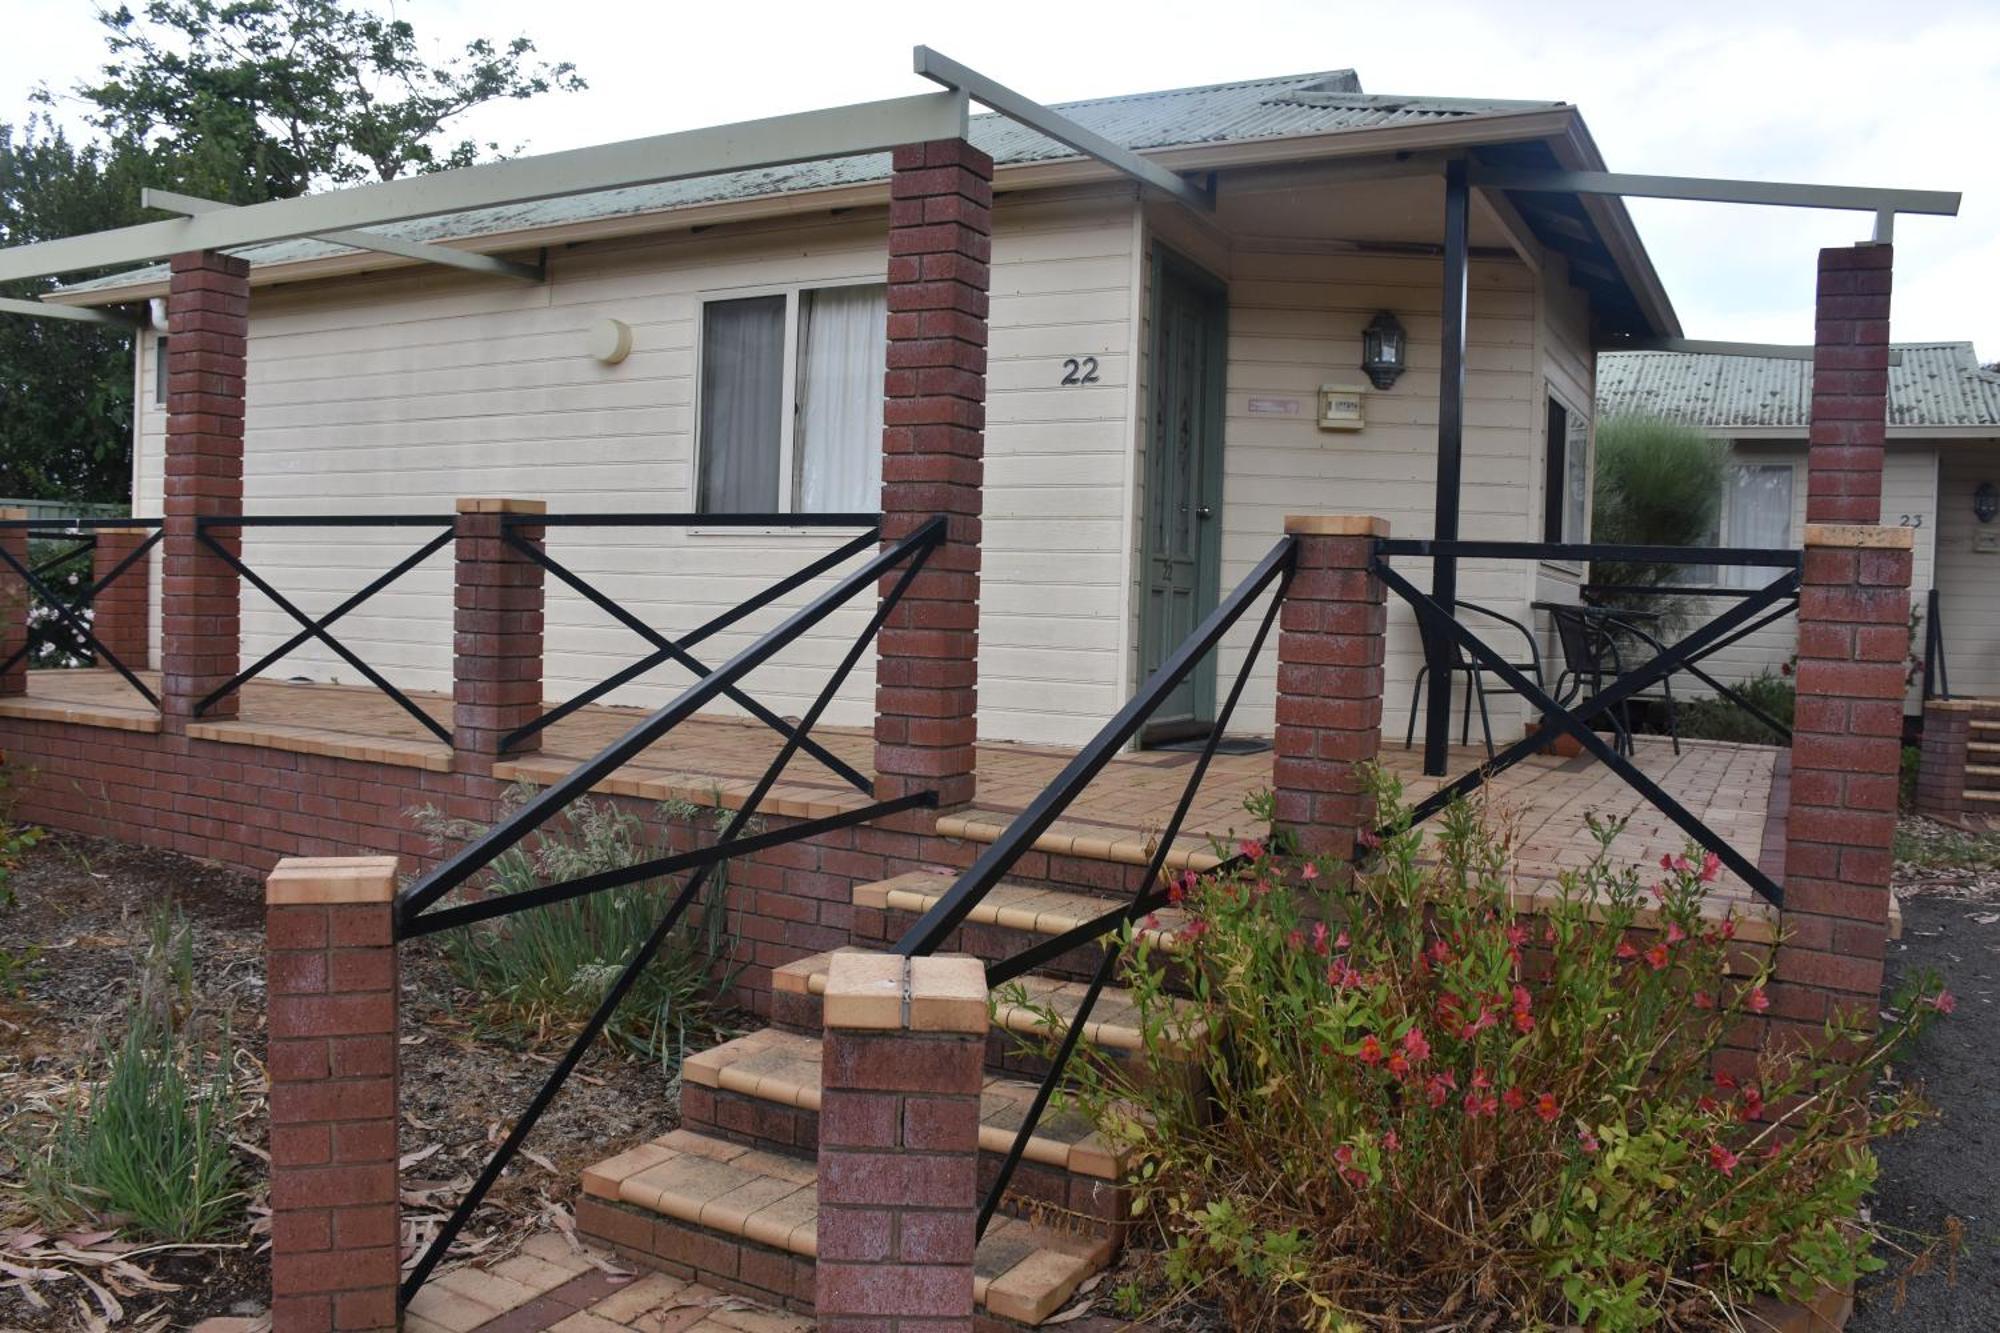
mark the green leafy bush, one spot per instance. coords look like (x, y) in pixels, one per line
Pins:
(1717, 719)
(1656, 484)
(551, 966)
(148, 1146)
(1419, 1108)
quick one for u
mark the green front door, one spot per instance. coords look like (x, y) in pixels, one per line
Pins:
(1181, 546)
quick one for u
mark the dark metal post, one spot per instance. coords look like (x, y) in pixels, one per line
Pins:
(1451, 431)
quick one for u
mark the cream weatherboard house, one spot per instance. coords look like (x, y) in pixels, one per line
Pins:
(1941, 476)
(1163, 387)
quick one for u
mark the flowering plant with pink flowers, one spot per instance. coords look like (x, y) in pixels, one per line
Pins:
(1383, 1098)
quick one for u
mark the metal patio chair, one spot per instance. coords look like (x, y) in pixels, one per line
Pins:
(1477, 676)
(1588, 637)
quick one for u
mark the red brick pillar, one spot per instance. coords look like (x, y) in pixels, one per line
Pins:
(1943, 756)
(208, 321)
(497, 633)
(1330, 653)
(903, 1063)
(119, 611)
(331, 959)
(1850, 385)
(15, 601)
(1854, 608)
(933, 446)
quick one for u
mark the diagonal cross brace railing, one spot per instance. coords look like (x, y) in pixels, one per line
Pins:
(930, 933)
(311, 628)
(71, 617)
(677, 650)
(1576, 722)
(911, 554)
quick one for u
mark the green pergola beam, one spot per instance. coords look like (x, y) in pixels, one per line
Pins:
(868, 127)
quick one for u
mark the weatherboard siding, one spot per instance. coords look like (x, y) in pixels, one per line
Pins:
(401, 393)
(1969, 579)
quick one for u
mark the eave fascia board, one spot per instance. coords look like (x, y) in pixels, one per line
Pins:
(869, 127)
(1576, 150)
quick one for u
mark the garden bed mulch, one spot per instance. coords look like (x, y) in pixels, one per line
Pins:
(68, 951)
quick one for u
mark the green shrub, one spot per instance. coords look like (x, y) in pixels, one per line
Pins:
(15, 839)
(1717, 719)
(1656, 484)
(1406, 1118)
(551, 966)
(148, 1146)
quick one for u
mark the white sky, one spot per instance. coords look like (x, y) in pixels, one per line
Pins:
(1833, 91)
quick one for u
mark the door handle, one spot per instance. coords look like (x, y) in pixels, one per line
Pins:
(1204, 512)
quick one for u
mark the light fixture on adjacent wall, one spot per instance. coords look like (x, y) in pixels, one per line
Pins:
(1985, 502)
(1385, 349)
(609, 341)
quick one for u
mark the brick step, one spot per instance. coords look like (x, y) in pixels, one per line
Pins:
(1084, 841)
(1983, 797)
(1982, 747)
(1113, 1028)
(746, 1220)
(1986, 775)
(763, 1090)
(1013, 916)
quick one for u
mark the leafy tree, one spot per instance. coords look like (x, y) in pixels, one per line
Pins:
(277, 96)
(239, 100)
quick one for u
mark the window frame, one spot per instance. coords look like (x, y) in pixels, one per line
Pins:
(1721, 578)
(159, 370)
(1555, 476)
(788, 400)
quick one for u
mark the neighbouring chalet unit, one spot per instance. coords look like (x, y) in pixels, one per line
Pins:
(889, 481)
(1163, 386)
(1941, 477)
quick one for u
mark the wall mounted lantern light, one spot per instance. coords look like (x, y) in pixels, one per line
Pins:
(1985, 502)
(1385, 350)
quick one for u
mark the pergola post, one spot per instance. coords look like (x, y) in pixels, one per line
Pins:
(1450, 455)
(1850, 387)
(208, 326)
(933, 462)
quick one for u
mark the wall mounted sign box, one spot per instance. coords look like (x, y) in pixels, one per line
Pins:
(1340, 407)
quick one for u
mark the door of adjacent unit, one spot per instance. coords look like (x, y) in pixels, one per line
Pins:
(1181, 542)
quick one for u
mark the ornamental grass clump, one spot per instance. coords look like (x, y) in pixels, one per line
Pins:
(1419, 1107)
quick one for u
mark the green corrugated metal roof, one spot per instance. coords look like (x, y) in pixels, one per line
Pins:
(1330, 101)
(1937, 385)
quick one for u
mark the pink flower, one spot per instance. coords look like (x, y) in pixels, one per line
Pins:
(1725, 1080)
(1477, 1105)
(1390, 1143)
(1513, 1099)
(1756, 1001)
(1587, 1141)
(1524, 1022)
(1545, 1106)
(1310, 870)
(1251, 848)
(1398, 1064)
(1439, 1088)
(1479, 1024)
(1944, 1002)
(1517, 935)
(1666, 860)
(1414, 1046)
(1369, 838)
(1722, 1159)
(1674, 932)
(1711, 866)
(1703, 1000)
(1340, 941)
(1371, 1050)
(1319, 938)
(1656, 957)
(1626, 951)
(1753, 1104)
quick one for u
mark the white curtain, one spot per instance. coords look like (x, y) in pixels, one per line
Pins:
(1756, 511)
(843, 344)
(742, 404)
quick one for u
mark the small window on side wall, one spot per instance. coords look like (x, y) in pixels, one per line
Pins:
(1756, 512)
(822, 350)
(1566, 480)
(160, 371)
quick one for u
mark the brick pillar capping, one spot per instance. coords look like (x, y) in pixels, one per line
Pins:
(1330, 655)
(1854, 604)
(933, 446)
(497, 603)
(14, 600)
(331, 959)
(119, 616)
(1850, 388)
(898, 1185)
(208, 320)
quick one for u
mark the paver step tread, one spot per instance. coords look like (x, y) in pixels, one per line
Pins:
(1010, 905)
(1090, 842)
(1114, 1019)
(774, 1065)
(1021, 1271)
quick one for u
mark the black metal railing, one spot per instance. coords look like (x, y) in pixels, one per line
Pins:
(64, 624)
(1600, 593)
(1937, 675)
(418, 913)
(1752, 611)
(319, 627)
(680, 651)
(931, 932)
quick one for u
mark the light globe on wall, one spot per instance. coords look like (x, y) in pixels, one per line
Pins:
(1385, 349)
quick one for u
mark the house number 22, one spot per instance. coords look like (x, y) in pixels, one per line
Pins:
(1079, 370)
